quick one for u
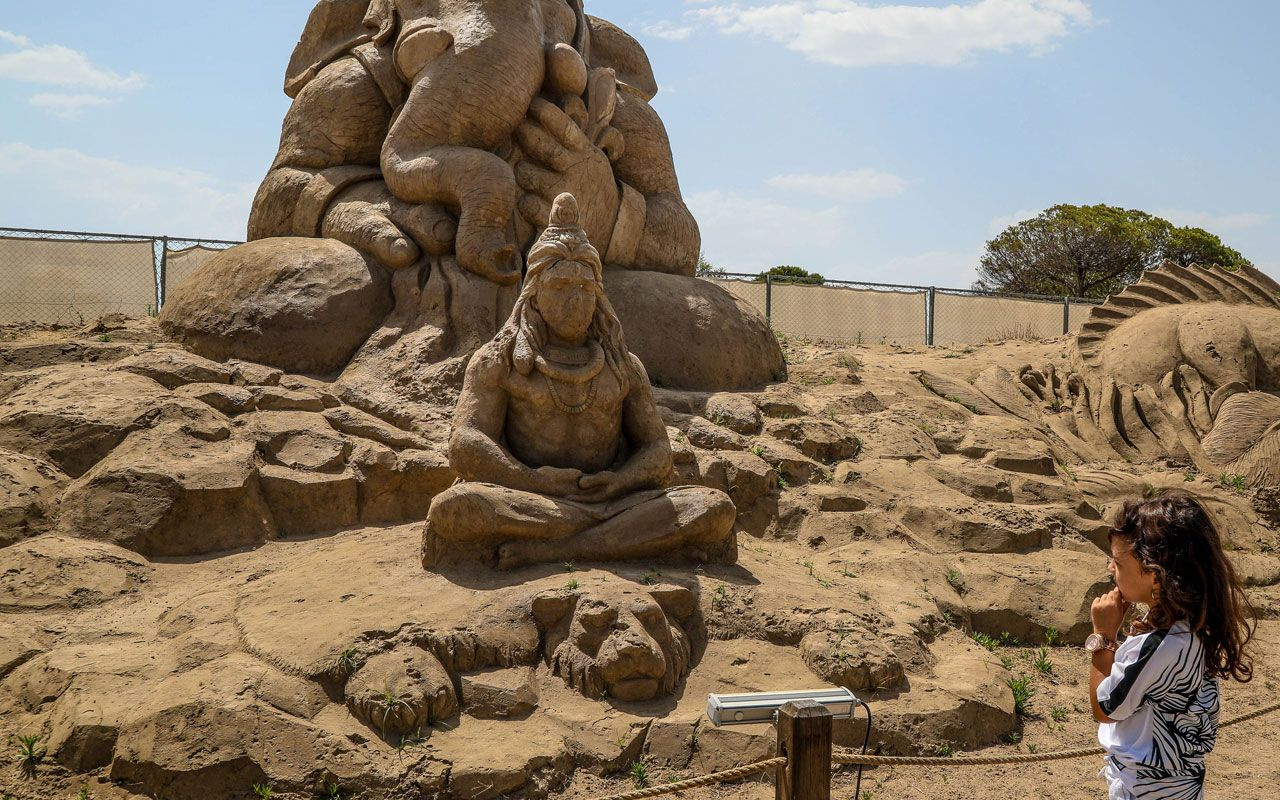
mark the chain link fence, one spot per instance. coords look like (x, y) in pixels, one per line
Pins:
(73, 277)
(885, 313)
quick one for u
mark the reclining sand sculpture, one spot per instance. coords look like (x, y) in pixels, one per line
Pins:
(1180, 364)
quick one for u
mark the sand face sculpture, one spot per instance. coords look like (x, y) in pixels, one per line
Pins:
(1182, 364)
(419, 160)
(631, 643)
(560, 448)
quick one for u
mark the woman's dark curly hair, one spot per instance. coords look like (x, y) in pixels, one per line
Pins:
(1173, 536)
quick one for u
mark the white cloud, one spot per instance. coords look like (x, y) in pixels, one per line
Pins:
(998, 224)
(857, 34)
(668, 30)
(91, 192)
(848, 186)
(55, 65)
(66, 106)
(745, 233)
(1213, 223)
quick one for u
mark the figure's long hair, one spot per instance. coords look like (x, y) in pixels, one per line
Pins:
(524, 334)
(1173, 536)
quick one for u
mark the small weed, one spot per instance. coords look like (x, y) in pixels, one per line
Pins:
(1058, 714)
(572, 585)
(1022, 693)
(570, 567)
(106, 337)
(1148, 491)
(639, 774)
(849, 363)
(410, 740)
(1007, 662)
(1235, 483)
(984, 640)
(1007, 639)
(957, 583)
(827, 381)
(1052, 637)
(391, 702)
(718, 418)
(1042, 663)
(331, 791)
(948, 617)
(1266, 547)
(1189, 475)
(650, 578)
(30, 753)
(720, 597)
(944, 750)
(828, 476)
(1013, 737)
(864, 597)
(1055, 405)
(263, 790)
(757, 451)
(1032, 747)
(83, 794)
(782, 481)
(345, 662)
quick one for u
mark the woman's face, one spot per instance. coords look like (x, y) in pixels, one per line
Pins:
(1135, 584)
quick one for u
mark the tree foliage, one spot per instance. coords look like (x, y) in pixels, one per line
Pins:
(706, 269)
(793, 274)
(1092, 251)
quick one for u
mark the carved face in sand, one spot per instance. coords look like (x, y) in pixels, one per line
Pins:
(631, 643)
(567, 299)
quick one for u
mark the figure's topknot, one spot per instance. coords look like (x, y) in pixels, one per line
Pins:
(564, 212)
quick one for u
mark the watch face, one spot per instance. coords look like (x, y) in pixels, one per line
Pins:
(1094, 642)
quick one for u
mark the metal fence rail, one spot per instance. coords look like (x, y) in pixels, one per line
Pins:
(889, 313)
(74, 277)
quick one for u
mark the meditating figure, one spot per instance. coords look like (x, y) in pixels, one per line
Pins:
(560, 448)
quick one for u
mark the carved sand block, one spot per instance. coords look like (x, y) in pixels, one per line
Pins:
(557, 439)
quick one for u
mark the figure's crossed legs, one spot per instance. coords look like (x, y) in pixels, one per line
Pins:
(523, 528)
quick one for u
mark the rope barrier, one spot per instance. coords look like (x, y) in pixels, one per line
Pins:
(870, 760)
(702, 780)
(1027, 758)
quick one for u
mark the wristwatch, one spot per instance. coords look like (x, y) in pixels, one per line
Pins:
(1097, 641)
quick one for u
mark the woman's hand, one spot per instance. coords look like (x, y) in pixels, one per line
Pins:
(1108, 613)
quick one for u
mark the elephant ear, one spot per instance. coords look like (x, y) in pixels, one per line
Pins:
(615, 48)
(333, 29)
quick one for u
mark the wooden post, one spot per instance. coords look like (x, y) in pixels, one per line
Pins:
(804, 737)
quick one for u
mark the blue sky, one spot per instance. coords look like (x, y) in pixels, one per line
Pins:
(879, 141)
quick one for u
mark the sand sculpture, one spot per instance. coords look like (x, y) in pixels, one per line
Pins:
(1180, 364)
(561, 449)
(419, 160)
(242, 524)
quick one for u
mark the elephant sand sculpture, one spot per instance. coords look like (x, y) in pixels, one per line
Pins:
(425, 144)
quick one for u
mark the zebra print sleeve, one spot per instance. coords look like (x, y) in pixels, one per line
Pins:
(1121, 693)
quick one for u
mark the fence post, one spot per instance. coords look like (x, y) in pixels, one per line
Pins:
(768, 298)
(162, 287)
(930, 298)
(1066, 314)
(804, 737)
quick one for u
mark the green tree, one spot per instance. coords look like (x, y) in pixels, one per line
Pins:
(793, 274)
(1092, 251)
(706, 269)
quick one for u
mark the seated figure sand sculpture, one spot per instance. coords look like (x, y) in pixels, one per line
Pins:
(561, 450)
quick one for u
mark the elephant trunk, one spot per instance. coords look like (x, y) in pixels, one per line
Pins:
(463, 105)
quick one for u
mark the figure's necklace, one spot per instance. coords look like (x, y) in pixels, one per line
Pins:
(556, 372)
(588, 366)
(571, 408)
